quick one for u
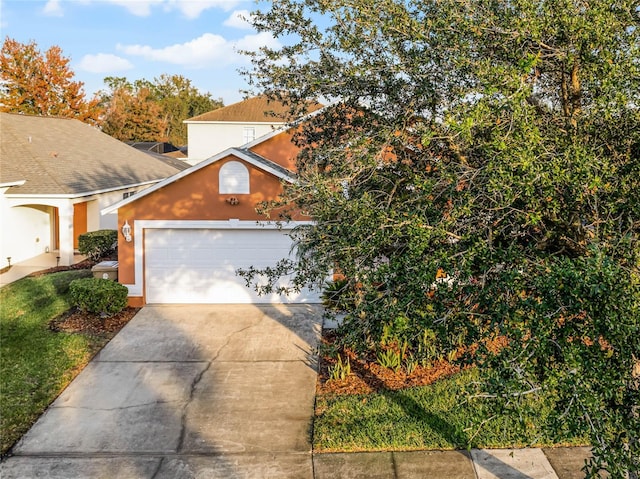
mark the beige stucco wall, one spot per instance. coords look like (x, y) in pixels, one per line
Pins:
(25, 232)
(206, 139)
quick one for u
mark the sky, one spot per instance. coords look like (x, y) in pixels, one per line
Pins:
(142, 39)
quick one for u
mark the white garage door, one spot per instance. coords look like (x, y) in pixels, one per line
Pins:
(199, 265)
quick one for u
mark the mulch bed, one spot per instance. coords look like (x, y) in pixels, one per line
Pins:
(77, 321)
(367, 376)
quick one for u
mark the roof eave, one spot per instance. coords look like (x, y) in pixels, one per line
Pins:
(223, 154)
(80, 194)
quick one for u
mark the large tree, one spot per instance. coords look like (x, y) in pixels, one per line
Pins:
(180, 100)
(478, 182)
(155, 108)
(131, 113)
(42, 84)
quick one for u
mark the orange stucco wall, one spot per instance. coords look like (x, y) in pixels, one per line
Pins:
(194, 197)
(79, 221)
(279, 149)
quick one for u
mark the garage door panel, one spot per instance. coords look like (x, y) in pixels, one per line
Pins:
(199, 265)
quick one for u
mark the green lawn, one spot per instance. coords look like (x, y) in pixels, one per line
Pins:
(35, 362)
(431, 417)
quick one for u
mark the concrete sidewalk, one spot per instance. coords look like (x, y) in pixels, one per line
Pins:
(225, 391)
(32, 265)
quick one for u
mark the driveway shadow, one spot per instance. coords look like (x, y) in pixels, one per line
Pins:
(186, 391)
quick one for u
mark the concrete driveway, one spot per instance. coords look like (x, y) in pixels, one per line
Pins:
(186, 391)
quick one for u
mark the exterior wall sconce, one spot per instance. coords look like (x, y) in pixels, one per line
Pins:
(126, 231)
(233, 201)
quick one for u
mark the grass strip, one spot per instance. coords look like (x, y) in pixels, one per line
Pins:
(36, 364)
(430, 417)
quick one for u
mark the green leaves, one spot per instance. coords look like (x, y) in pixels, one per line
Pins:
(479, 177)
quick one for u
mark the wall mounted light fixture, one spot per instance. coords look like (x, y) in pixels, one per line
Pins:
(126, 231)
(233, 201)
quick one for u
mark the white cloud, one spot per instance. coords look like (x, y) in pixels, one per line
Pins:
(193, 8)
(238, 19)
(205, 48)
(140, 8)
(53, 8)
(254, 42)
(189, 8)
(204, 51)
(104, 63)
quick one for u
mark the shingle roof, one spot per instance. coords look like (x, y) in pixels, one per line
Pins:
(67, 157)
(252, 110)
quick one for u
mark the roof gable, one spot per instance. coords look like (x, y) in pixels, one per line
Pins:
(60, 156)
(246, 153)
(256, 160)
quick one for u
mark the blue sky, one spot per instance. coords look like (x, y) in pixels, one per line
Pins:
(198, 39)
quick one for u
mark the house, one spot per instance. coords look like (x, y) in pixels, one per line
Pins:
(234, 125)
(56, 174)
(188, 234)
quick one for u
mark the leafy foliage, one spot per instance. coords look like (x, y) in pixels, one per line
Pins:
(98, 295)
(340, 370)
(478, 179)
(97, 244)
(153, 110)
(42, 84)
(132, 115)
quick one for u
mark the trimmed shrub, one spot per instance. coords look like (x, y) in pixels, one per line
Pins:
(98, 295)
(96, 244)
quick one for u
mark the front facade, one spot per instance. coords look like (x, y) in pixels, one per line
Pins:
(193, 231)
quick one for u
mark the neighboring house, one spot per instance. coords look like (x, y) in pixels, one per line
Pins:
(56, 174)
(233, 125)
(191, 232)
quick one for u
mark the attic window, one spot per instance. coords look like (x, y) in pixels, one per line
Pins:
(234, 178)
(248, 134)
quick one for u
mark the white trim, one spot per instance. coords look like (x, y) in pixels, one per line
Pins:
(137, 288)
(220, 122)
(12, 183)
(223, 154)
(287, 126)
(78, 195)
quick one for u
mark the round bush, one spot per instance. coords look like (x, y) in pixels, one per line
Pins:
(98, 295)
(97, 244)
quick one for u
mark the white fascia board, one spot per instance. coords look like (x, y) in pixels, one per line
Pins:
(78, 195)
(223, 154)
(9, 184)
(285, 127)
(218, 122)
(240, 154)
(166, 181)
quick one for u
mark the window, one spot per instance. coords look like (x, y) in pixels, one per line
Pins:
(234, 178)
(248, 134)
(127, 194)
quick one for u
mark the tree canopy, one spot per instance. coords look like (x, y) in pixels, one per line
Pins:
(153, 110)
(477, 183)
(42, 84)
(131, 114)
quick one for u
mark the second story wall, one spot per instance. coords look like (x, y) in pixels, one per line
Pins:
(209, 138)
